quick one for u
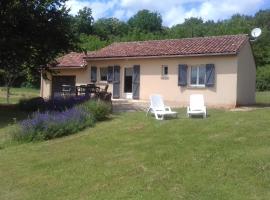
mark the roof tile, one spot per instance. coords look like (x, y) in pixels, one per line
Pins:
(229, 44)
(72, 59)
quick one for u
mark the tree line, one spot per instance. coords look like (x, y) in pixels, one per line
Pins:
(33, 33)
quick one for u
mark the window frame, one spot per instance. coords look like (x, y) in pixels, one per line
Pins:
(100, 77)
(163, 75)
(197, 75)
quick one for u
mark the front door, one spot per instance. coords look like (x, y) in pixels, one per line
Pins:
(128, 83)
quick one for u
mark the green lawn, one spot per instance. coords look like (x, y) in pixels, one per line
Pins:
(226, 156)
(17, 94)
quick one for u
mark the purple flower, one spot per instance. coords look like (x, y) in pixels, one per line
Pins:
(49, 124)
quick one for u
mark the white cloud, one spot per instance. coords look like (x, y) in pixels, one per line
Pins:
(172, 11)
(99, 8)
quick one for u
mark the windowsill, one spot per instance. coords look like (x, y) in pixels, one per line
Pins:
(196, 87)
(103, 82)
(165, 77)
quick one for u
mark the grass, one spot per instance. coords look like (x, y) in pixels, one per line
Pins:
(226, 156)
(17, 94)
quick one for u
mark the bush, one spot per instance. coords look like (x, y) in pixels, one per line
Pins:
(49, 125)
(45, 126)
(61, 103)
(32, 104)
(55, 104)
(263, 78)
(99, 109)
(27, 85)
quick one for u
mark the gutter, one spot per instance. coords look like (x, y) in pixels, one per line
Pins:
(68, 67)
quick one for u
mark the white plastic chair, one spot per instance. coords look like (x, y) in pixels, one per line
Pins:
(158, 108)
(196, 105)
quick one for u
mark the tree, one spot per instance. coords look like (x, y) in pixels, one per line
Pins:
(146, 21)
(32, 34)
(83, 21)
(91, 42)
(107, 28)
(261, 47)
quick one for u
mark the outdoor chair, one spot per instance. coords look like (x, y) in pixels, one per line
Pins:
(158, 108)
(66, 90)
(105, 89)
(196, 105)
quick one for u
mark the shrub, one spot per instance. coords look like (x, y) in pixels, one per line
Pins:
(27, 84)
(55, 104)
(61, 103)
(263, 78)
(44, 126)
(32, 104)
(99, 109)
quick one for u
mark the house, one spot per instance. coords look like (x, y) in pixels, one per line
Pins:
(222, 68)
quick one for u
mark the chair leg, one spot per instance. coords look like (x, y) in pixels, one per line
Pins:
(148, 111)
(161, 117)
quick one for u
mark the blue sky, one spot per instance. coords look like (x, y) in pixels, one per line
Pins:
(172, 11)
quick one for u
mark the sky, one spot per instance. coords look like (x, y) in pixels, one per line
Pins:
(172, 11)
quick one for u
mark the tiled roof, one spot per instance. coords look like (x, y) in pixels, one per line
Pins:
(72, 59)
(214, 45)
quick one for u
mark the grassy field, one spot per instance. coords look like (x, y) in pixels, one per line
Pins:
(226, 156)
(17, 94)
(130, 156)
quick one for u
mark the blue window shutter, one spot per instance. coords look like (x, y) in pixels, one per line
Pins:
(116, 82)
(210, 75)
(93, 74)
(182, 75)
(136, 82)
(110, 74)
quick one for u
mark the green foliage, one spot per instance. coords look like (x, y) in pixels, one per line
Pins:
(263, 78)
(107, 28)
(32, 34)
(27, 84)
(100, 110)
(146, 21)
(91, 42)
(83, 21)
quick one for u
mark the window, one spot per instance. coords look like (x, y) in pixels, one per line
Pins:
(103, 73)
(164, 70)
(198, 74)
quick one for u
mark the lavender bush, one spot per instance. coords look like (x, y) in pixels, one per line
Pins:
(52, 124)
(48, 125)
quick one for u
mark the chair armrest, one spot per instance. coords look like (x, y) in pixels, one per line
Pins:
(167, 108)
